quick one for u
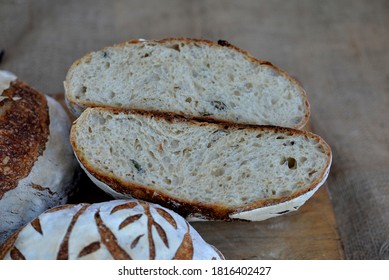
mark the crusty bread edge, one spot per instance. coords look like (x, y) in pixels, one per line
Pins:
(120, 189)
(77, 107)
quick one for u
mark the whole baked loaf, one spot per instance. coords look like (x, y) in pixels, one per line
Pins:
(199, 169)
(37, 165)
(117, 229)
(189, 77)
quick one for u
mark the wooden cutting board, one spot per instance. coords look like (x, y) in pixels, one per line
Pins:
(309, 233)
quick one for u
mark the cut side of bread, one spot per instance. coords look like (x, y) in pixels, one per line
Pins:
(219, 171)
(189, 77)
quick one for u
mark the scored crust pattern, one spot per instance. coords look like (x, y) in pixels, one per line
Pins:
(121, 232)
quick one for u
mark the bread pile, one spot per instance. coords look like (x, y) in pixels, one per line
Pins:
(204, 129)
(173, 130)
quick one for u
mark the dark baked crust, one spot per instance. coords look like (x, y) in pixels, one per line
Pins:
(183, 206)
(24, 131)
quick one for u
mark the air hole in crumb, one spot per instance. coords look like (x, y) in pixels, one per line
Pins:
(292, 163)
(167, 181)
(312, 172)
(288, 143)
(189, 100)
(112, 94)
(217, 172)
(107, 65)
(280, 137)
(259, 135)
(175, 47)
(273, 192)
(321, 149)
(249, 85)
(237, 93)
(303, 159)
(137, 145)
(83, 89)
(89, 129)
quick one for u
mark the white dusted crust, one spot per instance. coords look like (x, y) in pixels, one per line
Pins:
(118, 229)
(6, 78)
(49, 182)
(103, 186)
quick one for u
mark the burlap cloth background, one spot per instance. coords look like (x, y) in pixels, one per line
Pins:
(339, 50)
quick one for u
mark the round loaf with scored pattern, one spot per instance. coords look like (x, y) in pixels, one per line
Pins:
(38, 169)
(117, 229)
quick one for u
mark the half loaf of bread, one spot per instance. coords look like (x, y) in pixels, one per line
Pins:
(189, 77)
(118, 229)
(201, 170)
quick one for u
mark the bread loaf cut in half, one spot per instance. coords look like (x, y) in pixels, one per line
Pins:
(218, 171)
(38, 169)
(117, 229)
(190, 77)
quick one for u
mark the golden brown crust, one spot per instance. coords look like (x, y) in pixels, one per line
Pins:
(219, 44)
(184, 206)
(24, 131)
(8, 244)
